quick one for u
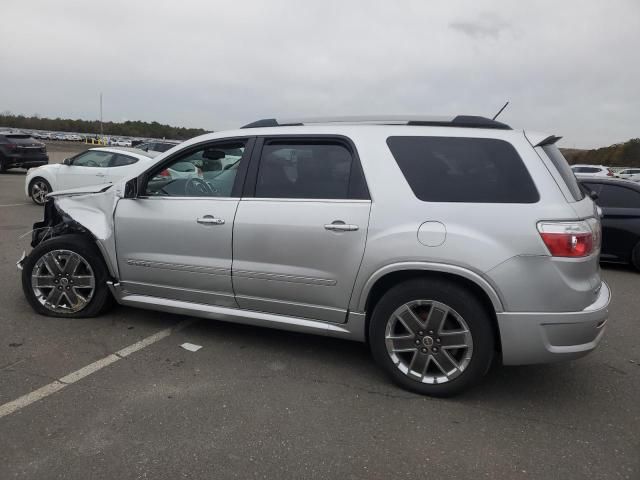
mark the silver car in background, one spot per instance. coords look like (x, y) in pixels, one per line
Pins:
(442, 242)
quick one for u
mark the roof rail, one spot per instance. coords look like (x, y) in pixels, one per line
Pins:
(464, 121)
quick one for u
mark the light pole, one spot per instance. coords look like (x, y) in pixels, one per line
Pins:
(101, 132)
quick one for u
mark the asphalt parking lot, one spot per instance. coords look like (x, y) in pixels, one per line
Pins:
(259, 403)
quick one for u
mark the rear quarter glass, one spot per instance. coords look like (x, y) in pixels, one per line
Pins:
(561, 165)
(463, 169)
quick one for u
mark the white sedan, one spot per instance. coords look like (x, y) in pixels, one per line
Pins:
(92, 167)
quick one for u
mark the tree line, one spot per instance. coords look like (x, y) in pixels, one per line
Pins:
(625, 154)
(129, 128)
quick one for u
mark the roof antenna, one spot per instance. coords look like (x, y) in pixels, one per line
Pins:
(500, 111)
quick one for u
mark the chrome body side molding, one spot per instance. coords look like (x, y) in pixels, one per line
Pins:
(354, 329)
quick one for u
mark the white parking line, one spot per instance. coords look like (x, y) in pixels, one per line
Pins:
(57, 385)
(14, 204)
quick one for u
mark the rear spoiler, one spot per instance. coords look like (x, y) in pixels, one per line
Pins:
(550, 140)
(538, 139)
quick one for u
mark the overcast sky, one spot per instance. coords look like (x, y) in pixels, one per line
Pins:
(568, 67)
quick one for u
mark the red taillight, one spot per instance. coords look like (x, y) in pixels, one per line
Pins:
(164, 173)
(11, 146)
(570, 239)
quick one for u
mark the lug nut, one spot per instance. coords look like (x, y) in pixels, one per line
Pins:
(417, 342)
(420, 332)
(435, 349)
(430, 332)
(59, 288)
(423, 350)
(437, 339)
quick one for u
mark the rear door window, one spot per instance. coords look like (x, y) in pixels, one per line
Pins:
(459, 169)
(617, 196)
(309, 169)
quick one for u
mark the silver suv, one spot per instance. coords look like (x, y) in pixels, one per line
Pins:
(442, 242)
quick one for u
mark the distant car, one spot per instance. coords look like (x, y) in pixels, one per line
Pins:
(74, 137)
(159, 146)
(91, 167)
(20, 150)
(59, 136)
(123, 142)
(620, 204)
(629, 174)
(592, 171)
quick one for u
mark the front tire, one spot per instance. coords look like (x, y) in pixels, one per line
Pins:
(66, 277)
(432, 337)
(38, 190)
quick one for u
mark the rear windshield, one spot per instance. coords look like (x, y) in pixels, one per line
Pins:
(558, 160)
(459, 169)
(162, 147)
(16, 135)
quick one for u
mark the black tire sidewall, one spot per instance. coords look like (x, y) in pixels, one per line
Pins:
(462, 301)
(85, 248)
(635, 256)
(31, 187)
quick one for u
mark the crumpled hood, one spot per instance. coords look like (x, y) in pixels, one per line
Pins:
(93, 208)
(103, 187)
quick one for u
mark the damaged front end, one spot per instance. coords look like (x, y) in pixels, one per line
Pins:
(80, 212)
(55, 223)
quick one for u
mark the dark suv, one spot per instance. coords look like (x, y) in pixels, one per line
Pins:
(19, 150)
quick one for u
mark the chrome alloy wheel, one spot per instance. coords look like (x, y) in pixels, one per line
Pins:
(39, 191)
(63, 281)
(428, 341)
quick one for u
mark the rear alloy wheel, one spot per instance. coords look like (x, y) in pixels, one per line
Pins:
(39, 188)
(433, 337)
(429, 341)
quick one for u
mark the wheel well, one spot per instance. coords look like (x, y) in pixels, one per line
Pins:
(37, 178)
(389, 280)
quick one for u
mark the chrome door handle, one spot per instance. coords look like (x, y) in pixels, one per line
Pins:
(341, 227)
(210, 220)
(100, 175)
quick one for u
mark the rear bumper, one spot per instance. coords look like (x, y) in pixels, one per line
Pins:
(544, 337)
(26, 161)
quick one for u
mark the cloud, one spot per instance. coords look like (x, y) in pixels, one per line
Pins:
(567, 68)
(486, 26)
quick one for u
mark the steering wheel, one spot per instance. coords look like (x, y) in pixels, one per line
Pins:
(196, 186)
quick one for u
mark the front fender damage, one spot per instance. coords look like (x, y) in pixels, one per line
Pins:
(90, 215)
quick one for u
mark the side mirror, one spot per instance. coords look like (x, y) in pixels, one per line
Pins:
(66, 161)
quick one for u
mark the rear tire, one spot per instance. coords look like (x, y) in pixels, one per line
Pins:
(432, 337)
(635, 256)
(38, 190)
(66, 277)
